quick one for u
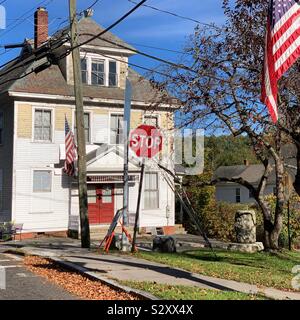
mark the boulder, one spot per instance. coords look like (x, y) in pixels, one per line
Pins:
(245, 226)
(165, 244)
(246, 247)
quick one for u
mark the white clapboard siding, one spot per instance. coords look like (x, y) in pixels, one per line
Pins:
(100, 128)
(41, 212)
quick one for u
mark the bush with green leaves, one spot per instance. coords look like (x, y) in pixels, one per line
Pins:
(217, 218)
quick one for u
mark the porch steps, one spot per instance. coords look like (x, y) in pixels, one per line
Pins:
(179, 229)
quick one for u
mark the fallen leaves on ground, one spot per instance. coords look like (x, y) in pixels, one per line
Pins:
(74, 282)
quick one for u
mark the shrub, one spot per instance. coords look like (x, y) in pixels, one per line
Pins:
(217, 218)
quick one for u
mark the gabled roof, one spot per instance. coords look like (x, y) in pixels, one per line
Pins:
(87, 27)
(111, 158)
(253, 173)
(51, 81)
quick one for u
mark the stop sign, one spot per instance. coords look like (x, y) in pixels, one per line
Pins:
(146, 141)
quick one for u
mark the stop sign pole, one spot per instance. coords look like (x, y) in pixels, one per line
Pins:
(146, 142)
(137, 214)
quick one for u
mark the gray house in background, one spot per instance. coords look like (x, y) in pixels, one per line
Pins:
(252, 173)
(236, 193)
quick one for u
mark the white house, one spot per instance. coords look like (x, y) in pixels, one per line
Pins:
(235, 193)
(33, 188)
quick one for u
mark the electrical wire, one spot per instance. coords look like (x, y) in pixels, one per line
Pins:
(177, 15)
(111, 26)
(159, 48)
(173, 64)
(93, 4)
(14, 25)
(69, 51)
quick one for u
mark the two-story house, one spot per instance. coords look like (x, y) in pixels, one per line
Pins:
(33, 187)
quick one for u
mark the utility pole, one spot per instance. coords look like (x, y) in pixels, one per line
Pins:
(127, 115)
(82, 186)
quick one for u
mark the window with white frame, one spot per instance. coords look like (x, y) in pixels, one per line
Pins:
(84, 70)
(151, 191)
(1, 127)
(98, 71)
(42, 125)
(116, 129)
(151, 120)
(87, 128)
(42, 181)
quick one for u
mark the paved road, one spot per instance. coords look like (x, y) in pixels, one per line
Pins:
(22, 284)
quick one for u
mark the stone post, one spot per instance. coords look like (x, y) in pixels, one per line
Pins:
(245, 226)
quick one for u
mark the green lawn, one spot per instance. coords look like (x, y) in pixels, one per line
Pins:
(168, 292)
(262, 269)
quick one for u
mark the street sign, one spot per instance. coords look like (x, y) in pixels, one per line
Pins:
(146, 141)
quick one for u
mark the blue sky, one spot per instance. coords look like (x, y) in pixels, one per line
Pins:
(144, 27)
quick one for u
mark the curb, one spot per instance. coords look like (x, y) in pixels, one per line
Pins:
(93, 275)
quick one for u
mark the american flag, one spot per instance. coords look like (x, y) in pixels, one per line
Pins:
(282, 48)
(69, 168)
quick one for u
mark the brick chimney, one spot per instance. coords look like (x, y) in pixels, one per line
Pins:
(40, 27)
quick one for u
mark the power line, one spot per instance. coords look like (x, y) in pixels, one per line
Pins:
(79, 14)
(93, 4)
(178, 15)
(102, 33)
(95, 37)
(173, 64)
(38, 55)
(159, 48)
(18, 78)
(111, 26)
(14, 25)
(138, 66)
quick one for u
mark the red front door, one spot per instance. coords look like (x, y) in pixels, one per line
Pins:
(101, 204)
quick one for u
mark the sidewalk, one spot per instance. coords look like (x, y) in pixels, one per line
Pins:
(121, 268)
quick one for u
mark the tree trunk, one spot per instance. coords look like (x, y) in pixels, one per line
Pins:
(271, 230)
(280, 202)
(268, 224)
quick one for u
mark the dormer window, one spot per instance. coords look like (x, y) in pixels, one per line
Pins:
(96, 71)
